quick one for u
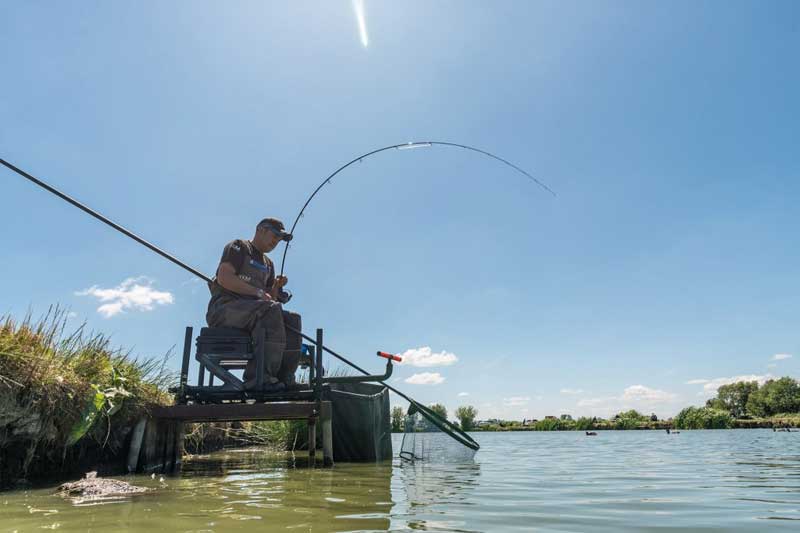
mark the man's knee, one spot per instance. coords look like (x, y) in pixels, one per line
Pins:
(292, 319)
(291, 322)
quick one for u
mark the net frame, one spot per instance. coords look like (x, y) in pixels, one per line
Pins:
(414, 448)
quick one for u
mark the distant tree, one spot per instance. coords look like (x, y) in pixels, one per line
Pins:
(733, 397)
(775, 396)
(397, 419)
(703, 418)
(626, 423)
(632, 413)
(566, 417)
(439, 409)
(653, 417)
(715, 403)
(548, 424)
(466, 417)
(629, 419)
(584, 423)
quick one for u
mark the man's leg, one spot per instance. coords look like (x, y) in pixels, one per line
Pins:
(291, 355)
(250, 314)
(271, 319)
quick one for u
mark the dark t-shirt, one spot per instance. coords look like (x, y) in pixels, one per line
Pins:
(238, 252)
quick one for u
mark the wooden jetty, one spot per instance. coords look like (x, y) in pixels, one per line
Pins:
(157, 441)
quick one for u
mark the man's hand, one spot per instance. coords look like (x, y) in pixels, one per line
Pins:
(280, 282)
(264, 295)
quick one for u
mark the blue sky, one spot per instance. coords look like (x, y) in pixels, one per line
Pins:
(669, 132)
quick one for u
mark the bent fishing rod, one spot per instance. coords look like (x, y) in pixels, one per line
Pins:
(170, 257)
(404, 146)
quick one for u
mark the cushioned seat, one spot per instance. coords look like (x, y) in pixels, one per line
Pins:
(220, 350)
(224, 332)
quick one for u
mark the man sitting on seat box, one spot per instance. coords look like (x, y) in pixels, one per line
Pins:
(246, 294)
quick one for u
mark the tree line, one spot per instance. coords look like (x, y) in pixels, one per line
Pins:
(465, 416)
(744, 400)
(735, 405)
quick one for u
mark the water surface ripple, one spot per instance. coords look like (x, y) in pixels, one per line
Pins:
(741, 480)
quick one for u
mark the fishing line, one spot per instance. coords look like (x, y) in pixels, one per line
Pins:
(404, 146)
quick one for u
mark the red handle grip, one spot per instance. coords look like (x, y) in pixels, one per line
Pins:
(390, 356)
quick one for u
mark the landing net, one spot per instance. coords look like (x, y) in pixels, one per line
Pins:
(429, 437)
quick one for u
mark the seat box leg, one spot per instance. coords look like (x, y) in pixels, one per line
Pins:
(226, 377)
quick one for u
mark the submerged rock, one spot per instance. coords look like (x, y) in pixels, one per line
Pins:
(98, 487)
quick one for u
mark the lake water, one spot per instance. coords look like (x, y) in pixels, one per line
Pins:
(740, 480)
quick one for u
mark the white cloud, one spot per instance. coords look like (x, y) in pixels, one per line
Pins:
(595, 402)
(72, 314)
(425, 378)
(195, 284)
(463, 394)
(639, 397)
(781, 356)
(571, 391)
(425, 357)
(696, 381)
(644, 394)
(516, 401)
(132, 294)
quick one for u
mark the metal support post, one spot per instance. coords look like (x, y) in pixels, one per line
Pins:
(318, 363)
(317, 385)
(187, 352)
(312, 366)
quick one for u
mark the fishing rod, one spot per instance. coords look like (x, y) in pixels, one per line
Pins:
(172, 258)
(403, 146)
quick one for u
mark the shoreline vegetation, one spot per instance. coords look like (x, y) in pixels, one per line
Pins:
(69, 401)
(740, 405)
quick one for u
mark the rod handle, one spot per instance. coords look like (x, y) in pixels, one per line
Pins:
(390, 356)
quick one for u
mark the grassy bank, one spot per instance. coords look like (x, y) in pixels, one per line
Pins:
(69, 400)
(67, 397)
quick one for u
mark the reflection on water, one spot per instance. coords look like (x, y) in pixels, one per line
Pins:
(234, 490)
(743, 480)
(431, 495)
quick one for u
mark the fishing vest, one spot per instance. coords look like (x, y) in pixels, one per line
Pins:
(252, 272)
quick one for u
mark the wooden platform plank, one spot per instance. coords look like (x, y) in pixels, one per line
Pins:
(239, 411)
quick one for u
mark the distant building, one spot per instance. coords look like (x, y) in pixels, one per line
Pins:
(550, 417)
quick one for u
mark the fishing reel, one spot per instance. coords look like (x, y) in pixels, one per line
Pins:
(284, 296)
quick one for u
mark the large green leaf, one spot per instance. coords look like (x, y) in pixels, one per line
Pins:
(93, 408)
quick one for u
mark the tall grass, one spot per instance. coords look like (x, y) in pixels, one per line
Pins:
(49, 377)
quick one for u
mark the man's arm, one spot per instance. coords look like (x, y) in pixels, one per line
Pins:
(226, 276)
